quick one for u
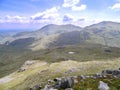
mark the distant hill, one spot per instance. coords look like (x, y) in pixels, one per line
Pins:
(49, 29)
(106, 33)
(42, 37)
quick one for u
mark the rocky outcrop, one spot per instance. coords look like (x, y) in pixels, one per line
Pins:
(63, 83)
(111, 72)
(67, 83)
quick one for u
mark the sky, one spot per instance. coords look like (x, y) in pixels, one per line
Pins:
(33, 14)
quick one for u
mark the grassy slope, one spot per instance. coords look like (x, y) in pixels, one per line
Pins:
(100, 59)
(11, 58)
(35, 75)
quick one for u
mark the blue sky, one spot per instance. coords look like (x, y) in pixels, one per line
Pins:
(33, 14)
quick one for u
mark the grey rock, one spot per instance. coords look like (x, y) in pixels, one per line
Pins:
(97, 75)
(103, 86)
(75, 81)
(53, 89)
(111, 72)
(63, 83)
(69, 82)
(107, 72)
(82, 77)
(87, 76)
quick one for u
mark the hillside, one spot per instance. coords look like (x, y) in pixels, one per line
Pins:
(106, 33)
(88, 43)
(12, 58)
(53, 46)
(40, 72)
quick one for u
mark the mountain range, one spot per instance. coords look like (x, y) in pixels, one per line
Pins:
(104, 33)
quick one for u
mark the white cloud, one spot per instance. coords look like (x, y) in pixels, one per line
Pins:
(73, 4)
(47, 14)
(14, 19)
(70, 3)
(79, 8)
(116, 7)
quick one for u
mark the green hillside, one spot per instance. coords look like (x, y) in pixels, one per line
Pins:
(12, 58)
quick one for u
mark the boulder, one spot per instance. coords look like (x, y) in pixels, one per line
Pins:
(29, 62)
(116, 72)
(63, 83)
(57, 83)
(107, 72)
(111, 72)
(70, 83)
(103, 86)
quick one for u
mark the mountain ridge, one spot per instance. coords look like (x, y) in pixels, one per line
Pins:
(105, 33)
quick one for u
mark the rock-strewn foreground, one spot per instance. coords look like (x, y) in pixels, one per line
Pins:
(34, 73)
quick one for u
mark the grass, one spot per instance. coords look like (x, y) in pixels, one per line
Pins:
(41, 74)
(92, 84)
(18, 78)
